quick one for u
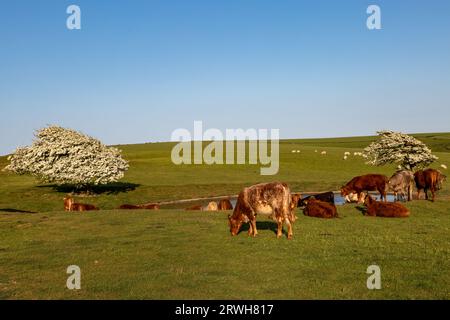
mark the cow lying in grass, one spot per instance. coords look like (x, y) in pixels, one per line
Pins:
(211, 206)
(70, 205)
(319, 209)
(149, 206)
(266, 198)
(225, 204)
(326, 196)
(385, 209)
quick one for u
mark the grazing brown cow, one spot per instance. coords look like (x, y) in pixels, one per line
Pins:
(225, 204)
(319, 209)
(385, 209)
(70, 205)
(429, 179)
(266, 198)
(149, 206)
(368, 182)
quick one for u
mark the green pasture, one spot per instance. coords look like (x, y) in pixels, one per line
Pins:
(178, 254)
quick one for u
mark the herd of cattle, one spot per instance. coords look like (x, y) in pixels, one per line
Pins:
(276, 200)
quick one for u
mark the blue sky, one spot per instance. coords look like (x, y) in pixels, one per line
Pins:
(137, 70)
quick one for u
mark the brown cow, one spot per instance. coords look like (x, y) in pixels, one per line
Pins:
(70, 205)
(385, 209)
(368, 182)
(325, 196)
(319, 209)
(266, 198)
(225, 204)
(428, 179)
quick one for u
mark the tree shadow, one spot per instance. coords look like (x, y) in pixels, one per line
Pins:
(15, 210)
(110, 188)
(263, 225)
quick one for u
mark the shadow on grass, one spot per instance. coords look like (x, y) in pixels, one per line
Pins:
(263, 225)
(15, 210)
(110, 188)
(361, 209)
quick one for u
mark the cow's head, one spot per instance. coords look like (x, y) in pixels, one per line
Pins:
(308, 200)
(235, 224)
(345, 191)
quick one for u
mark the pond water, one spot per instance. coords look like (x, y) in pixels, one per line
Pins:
(338, 200)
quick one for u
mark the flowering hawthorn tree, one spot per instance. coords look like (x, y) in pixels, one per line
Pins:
(65, 156)
(400, 148)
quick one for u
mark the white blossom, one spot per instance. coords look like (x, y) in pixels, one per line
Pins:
(399, 148)
(62, 156)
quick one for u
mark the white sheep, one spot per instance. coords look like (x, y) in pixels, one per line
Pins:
(346, 153)
(345, 157)
(444, 166)
(323, 152)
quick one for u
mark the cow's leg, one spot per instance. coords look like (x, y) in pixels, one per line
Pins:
(253, 223)
(280, 227)
(250, 229)
(289, 224)
(426, 193)
(433, 193)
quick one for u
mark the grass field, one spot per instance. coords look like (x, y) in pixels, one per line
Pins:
(174, 254)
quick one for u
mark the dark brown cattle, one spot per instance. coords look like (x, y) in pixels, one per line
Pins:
(70, 205)
(368, 182)
(326, 196)
(385, 209)
(319, 209)
(266, 198)
(429, 179)
(225, 204)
